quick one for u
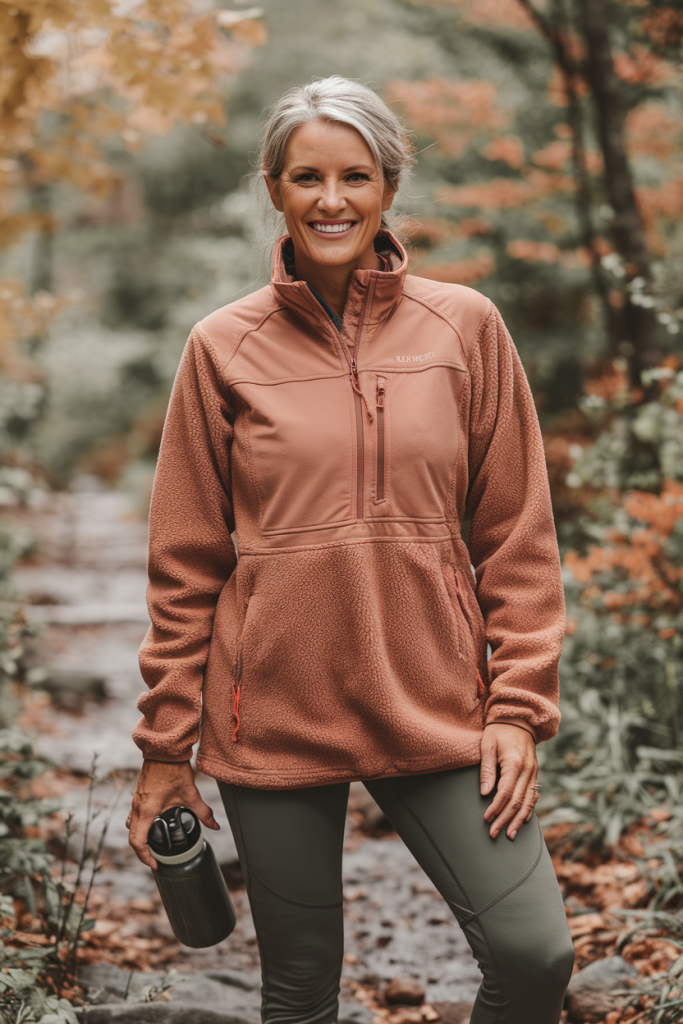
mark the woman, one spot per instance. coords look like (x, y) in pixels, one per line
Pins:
(344, 421)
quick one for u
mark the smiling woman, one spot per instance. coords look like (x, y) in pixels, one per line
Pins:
(343, 421)
(332, 193)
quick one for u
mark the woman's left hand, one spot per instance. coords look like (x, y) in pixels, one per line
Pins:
(516, 794)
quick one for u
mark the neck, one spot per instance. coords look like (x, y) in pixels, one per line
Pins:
(332, 282)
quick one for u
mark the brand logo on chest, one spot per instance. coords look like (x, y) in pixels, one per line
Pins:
(415, 359)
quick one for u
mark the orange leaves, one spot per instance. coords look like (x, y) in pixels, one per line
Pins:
(496, 194)
(502, 13)
(468, 271)
(664, 26)
(641, 67)
(653, 131)
(454, 114)
(507, 148)
(638, 559)
(661, 511)
(547, 252)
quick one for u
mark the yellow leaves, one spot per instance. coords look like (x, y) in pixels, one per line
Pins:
(251, 31)
(245, 26)
(107, 69)
(21, 315)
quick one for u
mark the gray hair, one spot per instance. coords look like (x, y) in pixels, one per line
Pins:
(339, 101)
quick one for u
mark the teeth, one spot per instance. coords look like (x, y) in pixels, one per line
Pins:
(332, 229)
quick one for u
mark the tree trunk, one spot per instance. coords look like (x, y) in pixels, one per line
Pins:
(640, 329)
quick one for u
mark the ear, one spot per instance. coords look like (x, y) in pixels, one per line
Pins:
(388, 194)
(273, 191)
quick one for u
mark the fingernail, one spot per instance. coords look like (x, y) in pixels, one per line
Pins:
(513, 834)
(494, 834)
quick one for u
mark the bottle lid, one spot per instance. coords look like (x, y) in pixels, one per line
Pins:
(175, 835)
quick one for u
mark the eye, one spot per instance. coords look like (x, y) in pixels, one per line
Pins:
(357, 176)
(307, 178)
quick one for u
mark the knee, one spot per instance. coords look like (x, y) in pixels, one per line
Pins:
(548, 965)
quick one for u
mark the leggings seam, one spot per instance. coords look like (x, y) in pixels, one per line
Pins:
(297, 903)
(262, 952)
(452, 873)
(510, 888)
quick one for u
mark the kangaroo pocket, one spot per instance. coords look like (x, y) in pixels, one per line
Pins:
(346, 647)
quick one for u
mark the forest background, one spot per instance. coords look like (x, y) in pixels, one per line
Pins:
(549, 176)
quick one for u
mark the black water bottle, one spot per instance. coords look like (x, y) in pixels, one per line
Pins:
(189, 880)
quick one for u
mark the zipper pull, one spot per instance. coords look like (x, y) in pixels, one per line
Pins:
(381, 381)
(357, 388)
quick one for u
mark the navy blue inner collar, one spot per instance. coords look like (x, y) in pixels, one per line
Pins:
(330, 312)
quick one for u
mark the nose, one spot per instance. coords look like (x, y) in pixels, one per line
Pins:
(332, 200)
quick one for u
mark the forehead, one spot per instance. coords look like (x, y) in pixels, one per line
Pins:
(322, 143)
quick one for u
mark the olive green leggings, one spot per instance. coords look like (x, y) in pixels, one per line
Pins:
(504, 894)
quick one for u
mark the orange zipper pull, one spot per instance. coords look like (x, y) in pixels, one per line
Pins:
(235, 709)
(357, 388)
(381, 381)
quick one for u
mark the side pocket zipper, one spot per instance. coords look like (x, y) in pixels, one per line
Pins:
(481, 686)
(381, 385)
(236, 686)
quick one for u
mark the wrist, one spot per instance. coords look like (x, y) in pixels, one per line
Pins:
(517, 723)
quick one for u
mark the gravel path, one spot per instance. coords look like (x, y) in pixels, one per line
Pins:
(86, 586)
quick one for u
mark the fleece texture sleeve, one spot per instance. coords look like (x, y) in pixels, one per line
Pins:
(191, 554)
(512, 540)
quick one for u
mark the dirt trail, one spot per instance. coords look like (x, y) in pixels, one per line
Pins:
(86, 586)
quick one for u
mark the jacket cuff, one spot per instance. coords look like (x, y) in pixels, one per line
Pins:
(167, 760)
(521, 723)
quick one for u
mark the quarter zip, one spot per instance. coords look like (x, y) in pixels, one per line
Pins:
(360, 401)
(358, 396)
(381, 387)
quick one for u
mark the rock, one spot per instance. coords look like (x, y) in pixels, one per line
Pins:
(71, 690)
(117, 996)
(407, 991)
(453, 1013)
(591, 993)
(373, 819)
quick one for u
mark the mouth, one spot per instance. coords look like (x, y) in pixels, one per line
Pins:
(331, 228)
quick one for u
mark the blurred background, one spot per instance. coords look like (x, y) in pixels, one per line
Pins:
(549, 177)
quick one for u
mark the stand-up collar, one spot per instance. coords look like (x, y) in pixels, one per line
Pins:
(373, 294)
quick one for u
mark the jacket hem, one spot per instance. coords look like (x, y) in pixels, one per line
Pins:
(259, 778)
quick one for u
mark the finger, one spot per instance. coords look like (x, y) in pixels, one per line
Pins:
(489, 765)
(143, 852)
(203, 811)
(514, 804)
(510, 772)
(525, 812)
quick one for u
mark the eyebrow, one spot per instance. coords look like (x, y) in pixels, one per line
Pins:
(347, 170)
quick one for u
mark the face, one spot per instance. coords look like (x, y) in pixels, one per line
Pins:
(331, 192)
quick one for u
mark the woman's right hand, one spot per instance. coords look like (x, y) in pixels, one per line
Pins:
(161, 785)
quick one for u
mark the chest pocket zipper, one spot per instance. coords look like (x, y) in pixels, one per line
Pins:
(381, 467)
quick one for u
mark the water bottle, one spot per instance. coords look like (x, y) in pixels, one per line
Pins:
(189, 880)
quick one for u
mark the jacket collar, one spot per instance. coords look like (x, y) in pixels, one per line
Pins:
(373, 294)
